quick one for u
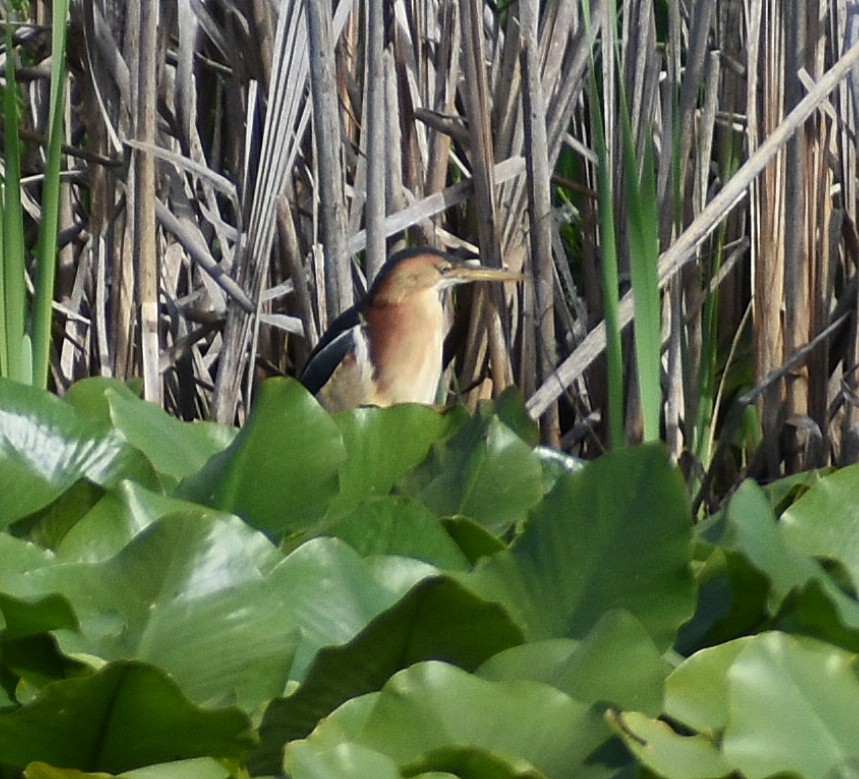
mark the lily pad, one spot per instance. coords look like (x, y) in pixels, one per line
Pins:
(615, 535)
(86, 723)
(282, 470)
(46, 446)
(484, 471)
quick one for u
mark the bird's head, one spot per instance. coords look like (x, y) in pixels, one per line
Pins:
(416, 271)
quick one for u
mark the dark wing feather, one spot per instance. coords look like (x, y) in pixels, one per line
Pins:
(332, 348)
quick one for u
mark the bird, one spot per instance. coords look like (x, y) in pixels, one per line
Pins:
(388, 348)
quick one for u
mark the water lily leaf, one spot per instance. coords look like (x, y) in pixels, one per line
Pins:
(794, 708)
(473, 539)
(30, 658)
(824, 522)
(732, 600)
(472, 763)
(382, 445)
(86, 723)
(696, 692)
(615, 535)
(19, 556)
(187, 594)
(750, 529)
(819, 611)
(667, 753)
(45, 771)
(306, 760)
(282, 470)
(195, 768)
(555, 464)
(433, 706)
(333, 594)
(25, 617)
(124, 512)
(398, 526)
(436, 618)
(484, 471)
(90, 396)
(784, 491)
(46, 446)
(616, 664)
(176, 449)
(510, 408)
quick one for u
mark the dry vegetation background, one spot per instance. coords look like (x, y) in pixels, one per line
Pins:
(238, 170)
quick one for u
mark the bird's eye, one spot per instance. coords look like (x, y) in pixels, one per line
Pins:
(445, 267)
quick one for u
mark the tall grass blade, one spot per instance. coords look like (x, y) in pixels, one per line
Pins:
(608, 246)
(14, 291)
(46, 263)
(643, 226)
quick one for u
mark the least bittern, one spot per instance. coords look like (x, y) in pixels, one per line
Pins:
(388, 348)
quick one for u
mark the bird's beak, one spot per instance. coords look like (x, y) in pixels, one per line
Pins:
(462, 274)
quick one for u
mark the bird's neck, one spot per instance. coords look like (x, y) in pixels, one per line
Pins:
(406, 341)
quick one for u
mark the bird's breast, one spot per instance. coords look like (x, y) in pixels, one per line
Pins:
(405, 347)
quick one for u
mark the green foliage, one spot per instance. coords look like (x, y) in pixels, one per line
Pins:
(405, 593)
(25, 330)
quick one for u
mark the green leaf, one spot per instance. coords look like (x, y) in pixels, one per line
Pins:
(194, 768)
(13, 311)
(87, 723)
(615, 535)
(333, 594)
(450, 762)
(190, 595)
(616, 664)
(732, 601)
(555, 464)
(608, 245)
(25, 617)
(123, 513)
(783, 492)
(436, 618)
(46, 446)
(667, 753)
(696, 692)
(89, 396)
(824, 522)
(19, 556)
(46, 254)
(642, 231)
(399, 526)
(794, 708)
(306, 760)
(471, 763)
(819, 611)
(45, 771)
(750, 528)
(382, 446)
(176, 449)
(485, 471)
(281, 471)
(31, 663)
(510, 408)
(473, 539)
(433, 706)
(48, 527)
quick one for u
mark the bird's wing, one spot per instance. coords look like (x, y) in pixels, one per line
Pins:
(331, 350)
